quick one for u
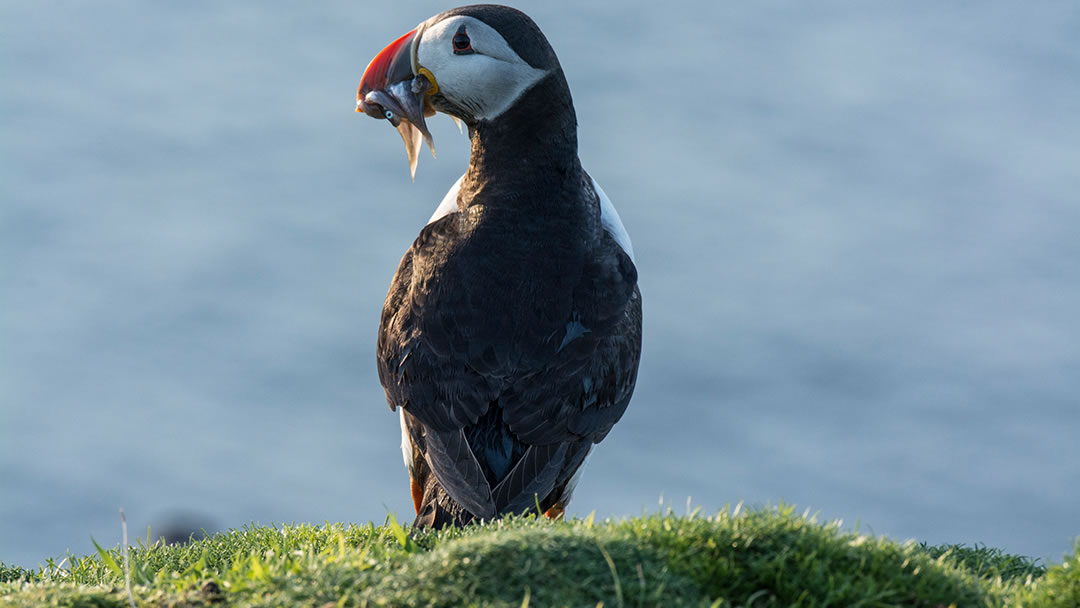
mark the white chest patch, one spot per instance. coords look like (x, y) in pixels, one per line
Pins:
(406, 445)
(609, 219)
(448, 204)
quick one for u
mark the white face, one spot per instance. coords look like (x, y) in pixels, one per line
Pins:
(473, 66)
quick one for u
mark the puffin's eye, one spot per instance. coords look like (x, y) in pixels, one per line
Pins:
(462, 44)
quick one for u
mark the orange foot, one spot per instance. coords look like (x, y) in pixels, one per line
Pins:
(417, 494)
(556, 511)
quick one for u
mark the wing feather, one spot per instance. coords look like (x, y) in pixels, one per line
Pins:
(562, 371)
(459, 473)
(532, 479)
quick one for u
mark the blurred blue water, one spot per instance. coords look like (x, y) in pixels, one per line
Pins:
(856, 227)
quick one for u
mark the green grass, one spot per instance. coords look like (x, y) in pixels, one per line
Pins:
(767, 557)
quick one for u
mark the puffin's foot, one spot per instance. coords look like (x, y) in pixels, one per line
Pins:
(417, 494)
(556, 511)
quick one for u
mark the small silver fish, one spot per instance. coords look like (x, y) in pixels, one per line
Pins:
(402, 103)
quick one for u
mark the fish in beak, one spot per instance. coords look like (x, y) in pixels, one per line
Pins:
(395, 89)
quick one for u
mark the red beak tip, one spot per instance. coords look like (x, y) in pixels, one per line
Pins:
(378, 72)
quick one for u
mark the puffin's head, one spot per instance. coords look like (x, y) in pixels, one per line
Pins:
(472, 63)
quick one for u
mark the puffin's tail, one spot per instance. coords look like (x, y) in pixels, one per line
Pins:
(438, 510)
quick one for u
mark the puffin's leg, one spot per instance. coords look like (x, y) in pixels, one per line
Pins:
(417, 493)
(556, 511)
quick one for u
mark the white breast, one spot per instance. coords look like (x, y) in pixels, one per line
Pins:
(609, 219)
(406, 445)
(448, 204)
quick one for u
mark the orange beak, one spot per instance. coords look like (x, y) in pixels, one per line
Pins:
(393, 64)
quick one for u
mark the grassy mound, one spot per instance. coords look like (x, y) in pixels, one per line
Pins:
(769, 557)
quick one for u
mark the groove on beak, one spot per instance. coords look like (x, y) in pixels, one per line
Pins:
(392, 64)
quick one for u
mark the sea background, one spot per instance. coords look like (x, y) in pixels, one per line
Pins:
(857, 227)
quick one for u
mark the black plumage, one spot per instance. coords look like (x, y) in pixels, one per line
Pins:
(511, 332)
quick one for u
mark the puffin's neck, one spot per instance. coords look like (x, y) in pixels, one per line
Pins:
(532, 146)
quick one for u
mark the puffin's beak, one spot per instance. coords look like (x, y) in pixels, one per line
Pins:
(392, 89)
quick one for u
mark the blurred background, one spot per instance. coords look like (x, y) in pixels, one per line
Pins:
(857, 227)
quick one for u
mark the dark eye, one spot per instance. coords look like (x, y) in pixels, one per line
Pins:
(462, 44)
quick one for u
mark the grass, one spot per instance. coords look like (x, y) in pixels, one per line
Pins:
(767, 557)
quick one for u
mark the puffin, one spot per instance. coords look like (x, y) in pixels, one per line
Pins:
(510, 337)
